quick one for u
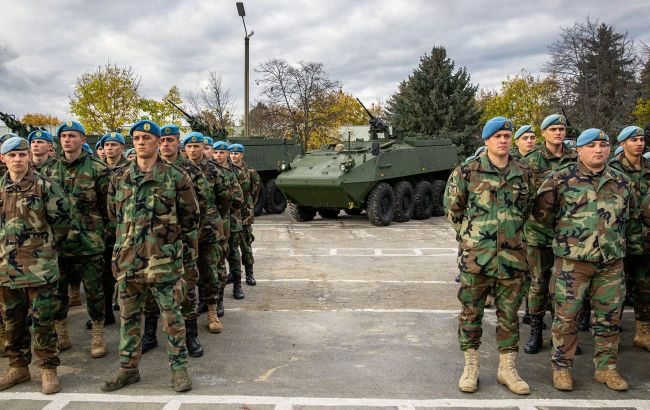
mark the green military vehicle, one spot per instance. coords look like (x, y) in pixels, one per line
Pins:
(391, 178)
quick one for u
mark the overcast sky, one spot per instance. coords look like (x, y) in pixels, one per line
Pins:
(370, 46)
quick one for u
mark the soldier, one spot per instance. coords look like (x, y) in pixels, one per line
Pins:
(212, 231)
(84, 180)
(547, 156)
(154, 206)
(130, 154)
(99, 148)
(524, 141)
(488, 200)
(230, 214)
(3, 170)
(637, 257)
(3, 166)
(586, 205)
(39, 147)
(250, 183)
(34, 220)
(207, 148)
(113, 147)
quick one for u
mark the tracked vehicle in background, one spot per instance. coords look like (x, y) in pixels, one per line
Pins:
(391, 178)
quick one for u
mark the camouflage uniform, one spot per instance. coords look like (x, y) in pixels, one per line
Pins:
(587, 213)
(233, 203)
(236, 221)
(637, 258)
(540, 255)
(247, 222)
(85, 183)
(487, 207)
(35, 218)
(514, 153)
(157, 218)
(42, 168)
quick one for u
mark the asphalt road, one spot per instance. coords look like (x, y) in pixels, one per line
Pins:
(345, 315)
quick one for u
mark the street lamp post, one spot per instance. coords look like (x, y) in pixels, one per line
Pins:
(242, 13)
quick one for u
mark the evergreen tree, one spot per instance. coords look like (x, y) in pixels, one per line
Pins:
(438, 101)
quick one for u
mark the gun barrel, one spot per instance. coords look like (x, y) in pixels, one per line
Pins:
(367, 111)
(188, 116)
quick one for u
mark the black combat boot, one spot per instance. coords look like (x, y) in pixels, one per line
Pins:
(535, 342)
(250, 279)
(229, 278)
(237, 291)
(203, 307)
(526, 318)
(194, 347)
(220, 309)
(149, 340)
(584, 317)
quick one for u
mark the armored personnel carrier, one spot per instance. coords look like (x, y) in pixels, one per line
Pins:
(391, 178)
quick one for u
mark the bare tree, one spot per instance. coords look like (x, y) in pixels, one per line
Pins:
(217, 99)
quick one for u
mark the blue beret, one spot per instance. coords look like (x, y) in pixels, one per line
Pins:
(191, 138)
(589, 135)
(113, 136)
(496, 124)
(145, 126)
(170, 129)
(99, 144)
(236, 148)
(220, 146)
(553, 119)
(629, 132)
(129, 152)
(6, 136)
(14, 144)
(87, 148)
(70, 126)
(618, 150)
(208, 141)
(479, 151)
(39, 135)
(522, 130)
(646, 155)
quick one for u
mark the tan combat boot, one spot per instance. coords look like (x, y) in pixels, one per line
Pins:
(612, 378)
(121, 378)
(14, 376)
(562, 379)
(182, 380)
(61, 328)
(468, 382)
(642, 336)
(50, 381)
(508, 376)
(214, 325)
(3, 339)
(74, 294)
(97, 346)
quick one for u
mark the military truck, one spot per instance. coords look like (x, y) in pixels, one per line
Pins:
(262, 153)
(391, 178)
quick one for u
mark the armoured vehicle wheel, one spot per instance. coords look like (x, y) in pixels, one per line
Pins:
(353, 211)
(276, 202)
(259, 205)
(381, 205)
(424, 200)
(439, 197)
(328, 213)
(404, 201)
(302, 213)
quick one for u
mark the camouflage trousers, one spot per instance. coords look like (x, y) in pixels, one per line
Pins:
(472, 293)
(234, 256)
(168, 296)
(208, 261)
(221, 266)
(572, 282)
(190, 302)
(540, 261)
(90, 269)
(41, 304)
(637, 267)
(246, 245)
(108, 280)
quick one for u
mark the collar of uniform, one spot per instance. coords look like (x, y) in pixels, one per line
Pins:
(627, 167)
(81, 158)
(567, 152)
(157, 171)
(24, 184)
(510, 171)
(606, 172)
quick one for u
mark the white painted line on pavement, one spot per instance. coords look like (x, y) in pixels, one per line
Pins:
(57, 404)
(357, 252)
(421, 282)
(352, 310)
(174, 402)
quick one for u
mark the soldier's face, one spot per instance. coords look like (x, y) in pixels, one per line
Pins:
(145, 144)
(17, 161)
(207, 151)
(633, 146)
(499, 144)
(236, 157)
(71, 141)
(221, 156)
(101, 152)
(214, 155)
(113, 149)
(194, 151)
(169, 146)
(51, 151)
(39, 147)
(555, 134)
(526, 143)
(595, 154)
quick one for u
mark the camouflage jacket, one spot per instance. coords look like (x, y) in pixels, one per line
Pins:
(121, 163)
(3, 168)
(237, 216)
(587, 212)
(638, 234)
(85, 183)
(235, 197)
(541, 161)
(35, 218)
(42, 167)
(514, 152)
(487, 207)
(201, 188)
(213, 231)
(255, 186)
(111, 226)
(157, 218)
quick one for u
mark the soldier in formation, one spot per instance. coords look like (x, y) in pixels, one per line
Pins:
(524, 141)
(40, 145)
